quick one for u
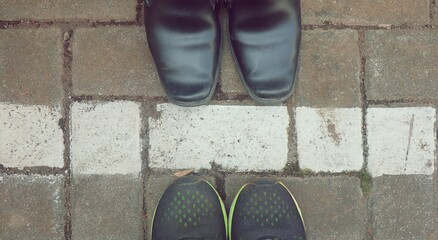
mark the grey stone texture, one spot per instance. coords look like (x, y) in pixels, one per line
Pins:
(107, 207)
(332, 206)
(329, 69)
(366, 12)
(434, 12)
(66, 9)
(403, 207)
(402, 65)
(230, 81)
(31, 207)
(31, 66)
(113, 61)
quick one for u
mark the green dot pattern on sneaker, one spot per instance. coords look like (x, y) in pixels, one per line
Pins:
(190, 208)
(266, 210)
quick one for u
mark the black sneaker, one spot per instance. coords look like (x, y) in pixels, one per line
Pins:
(190, 209)
(265, 210)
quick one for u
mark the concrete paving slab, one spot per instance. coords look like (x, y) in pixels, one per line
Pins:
(401, 141)
(30, 136)
(31, 65)
(331, 206)
(65, 9)
(403, 207)
(113, 61)
(229, 76)
(366, 12)
(328, 139)
(107, 207)
(105, 138)
(329, 69)
(434, 13)
(31, 207)
(401, 65)
(240, 138)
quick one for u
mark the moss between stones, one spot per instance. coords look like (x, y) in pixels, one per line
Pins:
(366, 182)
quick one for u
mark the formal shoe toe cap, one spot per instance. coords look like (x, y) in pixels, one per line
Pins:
(193, 94)
(270, 90)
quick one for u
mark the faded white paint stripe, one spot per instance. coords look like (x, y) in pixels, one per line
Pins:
(240, 138)
(329, 139)
(105, 138)
(30, 136)
(401, 140)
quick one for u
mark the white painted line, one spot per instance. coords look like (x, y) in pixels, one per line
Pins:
(329, 140)
(105, 138)
(30, 136)
(401, 140)
(240, 138)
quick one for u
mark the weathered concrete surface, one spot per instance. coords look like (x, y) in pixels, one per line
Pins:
(241, 138)
(107, 207)
(401, 65)
(113, 61)
(329, 69)
(401, 141)
(30, 136)
(31, 66)
(331, 206)
(105, 138)
(32, 207)
(66, 9)
(435, 13)
(403, 207)
(366, 12)
(230, 81)
(329, 140)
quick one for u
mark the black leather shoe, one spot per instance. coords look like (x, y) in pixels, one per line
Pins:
(184, 38)
(265, 39)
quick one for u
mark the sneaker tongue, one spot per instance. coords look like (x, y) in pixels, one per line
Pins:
(269, 238)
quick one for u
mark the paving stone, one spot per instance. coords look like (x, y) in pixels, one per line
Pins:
(435, 13)
(229, 76)
(403, 207)
(105, 138)
(331, 206)
(31, 66)
(401, 65)
(155, 187)
(366, 12)
(235, 137)
(113, 61)
(329, 69)
(401, 141)
(65, 9)
(31, 207)
(107, 207)
(329, 139)
(30, 136)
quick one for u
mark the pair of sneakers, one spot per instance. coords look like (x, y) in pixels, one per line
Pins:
(184, 37)
(191, 209)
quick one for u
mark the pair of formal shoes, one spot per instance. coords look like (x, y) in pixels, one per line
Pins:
(184, 37)
(191, 209)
